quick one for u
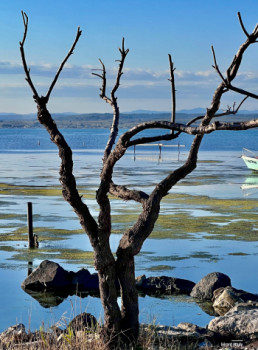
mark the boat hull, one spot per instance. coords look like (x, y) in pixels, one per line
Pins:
(251, 162)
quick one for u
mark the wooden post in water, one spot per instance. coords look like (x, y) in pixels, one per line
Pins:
(33, 239)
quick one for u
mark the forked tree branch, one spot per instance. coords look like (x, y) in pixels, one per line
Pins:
(104, 82)
(67, 179)
(133, 239)
(123, 53)
(230, 111)
(233, 68)
(112, 100)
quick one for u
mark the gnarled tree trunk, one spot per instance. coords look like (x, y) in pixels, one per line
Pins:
(122, 324)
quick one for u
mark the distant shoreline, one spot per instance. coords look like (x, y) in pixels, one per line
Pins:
(103, 121)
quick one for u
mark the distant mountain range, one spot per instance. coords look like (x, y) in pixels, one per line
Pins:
(103, 120)
(198, 110)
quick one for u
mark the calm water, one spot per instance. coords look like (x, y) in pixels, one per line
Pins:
(30, 159)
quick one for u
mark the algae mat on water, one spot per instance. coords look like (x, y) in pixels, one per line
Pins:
(182, 217)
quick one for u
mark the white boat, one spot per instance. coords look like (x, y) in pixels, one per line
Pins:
(250, 159)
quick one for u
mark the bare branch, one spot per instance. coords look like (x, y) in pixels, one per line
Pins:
(113, 102)
(67, 178)
(233, 68)
(242, 25)
(104, 83)
(79, 32)
(227, 112)
(242, 92)
(173, 90)
(24, 62)
(127, 194)
(123, 53)
(216, 67)
(25, 22)
(144, 140)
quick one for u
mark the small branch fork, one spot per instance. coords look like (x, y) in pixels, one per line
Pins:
(27, 70)
(231, 71)
(112, 100)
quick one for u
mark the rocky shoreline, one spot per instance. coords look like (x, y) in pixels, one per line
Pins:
(236, 311)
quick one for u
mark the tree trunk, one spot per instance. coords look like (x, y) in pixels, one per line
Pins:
(129, 297)
(106, 266)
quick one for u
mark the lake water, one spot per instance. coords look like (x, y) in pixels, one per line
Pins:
(220, 231)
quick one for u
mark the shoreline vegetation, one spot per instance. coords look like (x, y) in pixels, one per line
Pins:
(102, 120)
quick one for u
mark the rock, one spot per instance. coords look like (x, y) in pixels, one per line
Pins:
(14, 334)
(207, 285)
(166, 285)
(227, 297)
(175, 337)
(241, 322)
(84, 280)
(48, 275)
(139, 281)
(82, 322)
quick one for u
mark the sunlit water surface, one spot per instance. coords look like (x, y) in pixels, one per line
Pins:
(29, 161)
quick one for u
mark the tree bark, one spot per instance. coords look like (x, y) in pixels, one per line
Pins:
(129, 297)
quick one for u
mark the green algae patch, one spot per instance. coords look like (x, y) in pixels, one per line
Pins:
(68, 255)
(167, 258)
(24, 190)
(238, 254)
(216, 204)
(160, 268)
(44, 234)
(29, 190)
(203, 255)
(186, 217)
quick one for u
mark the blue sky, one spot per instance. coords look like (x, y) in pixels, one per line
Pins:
(184, 28)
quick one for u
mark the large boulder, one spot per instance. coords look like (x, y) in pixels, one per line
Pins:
(227, 297)
(207, 285)
(48, 275)
(241, 322)
(165, 285)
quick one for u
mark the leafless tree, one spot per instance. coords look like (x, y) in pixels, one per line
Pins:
(121, 268)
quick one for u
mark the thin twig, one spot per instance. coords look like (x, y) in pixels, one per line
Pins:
(216, 67)
(104, 82)
(242, 25)
(173, 90)
(24, 62)
(79, 32)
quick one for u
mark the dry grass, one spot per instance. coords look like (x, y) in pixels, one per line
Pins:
(80, 337)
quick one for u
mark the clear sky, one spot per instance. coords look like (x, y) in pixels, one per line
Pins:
(152, 28)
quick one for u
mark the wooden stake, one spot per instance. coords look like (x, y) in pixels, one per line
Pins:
(33, 239)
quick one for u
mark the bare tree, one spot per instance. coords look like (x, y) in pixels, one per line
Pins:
(120, 268)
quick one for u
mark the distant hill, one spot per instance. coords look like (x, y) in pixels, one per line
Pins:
(104, 120)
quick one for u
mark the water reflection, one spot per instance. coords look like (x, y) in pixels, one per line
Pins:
(250, 186)
(48, 299)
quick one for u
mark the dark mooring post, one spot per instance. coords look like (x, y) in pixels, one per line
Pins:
(33, 239)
